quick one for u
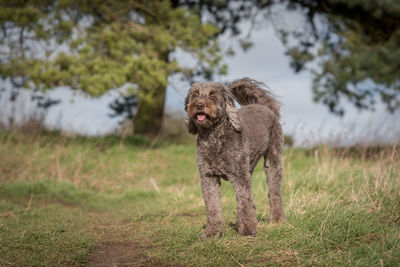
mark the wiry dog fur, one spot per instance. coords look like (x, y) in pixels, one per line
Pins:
(229, 144)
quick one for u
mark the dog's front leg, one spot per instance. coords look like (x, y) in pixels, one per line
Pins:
(211, 190)
(246, 218)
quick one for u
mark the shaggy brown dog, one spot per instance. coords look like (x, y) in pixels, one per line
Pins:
(229, 144)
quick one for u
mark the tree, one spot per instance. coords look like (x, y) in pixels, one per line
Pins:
(225, 15)
(356, 45)
(95, 46)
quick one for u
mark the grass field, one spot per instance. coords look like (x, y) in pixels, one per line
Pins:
(82, 201)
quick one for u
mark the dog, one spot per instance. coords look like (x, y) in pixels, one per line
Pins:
(230, 142)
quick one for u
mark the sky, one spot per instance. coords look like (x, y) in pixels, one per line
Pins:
(308, 122)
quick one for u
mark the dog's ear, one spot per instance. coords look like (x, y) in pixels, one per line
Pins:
(191, 127)
(233, 113)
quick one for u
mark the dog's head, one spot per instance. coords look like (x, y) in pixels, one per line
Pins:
(207, 104)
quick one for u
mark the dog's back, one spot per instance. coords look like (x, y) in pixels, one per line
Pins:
(259, 115)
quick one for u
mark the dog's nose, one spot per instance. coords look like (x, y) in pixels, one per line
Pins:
(199, 105)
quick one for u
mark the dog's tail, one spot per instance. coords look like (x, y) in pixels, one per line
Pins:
(248, 91)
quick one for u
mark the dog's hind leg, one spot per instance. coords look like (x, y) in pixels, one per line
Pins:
(246, 218)
(274, 171)
(211, 190)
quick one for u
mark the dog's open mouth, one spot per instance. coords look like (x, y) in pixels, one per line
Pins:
(201, 116)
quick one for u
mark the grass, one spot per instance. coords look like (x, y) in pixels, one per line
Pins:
(61, 197)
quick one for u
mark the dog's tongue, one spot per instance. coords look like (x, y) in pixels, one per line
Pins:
(201, 117)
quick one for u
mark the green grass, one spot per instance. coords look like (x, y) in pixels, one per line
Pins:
(60, 197)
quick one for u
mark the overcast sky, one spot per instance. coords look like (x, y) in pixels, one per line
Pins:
(307, 121)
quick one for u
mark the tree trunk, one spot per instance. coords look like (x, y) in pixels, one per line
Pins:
(148, 119)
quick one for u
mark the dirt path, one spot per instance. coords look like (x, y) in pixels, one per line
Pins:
(122, 253)
(113, 249)
(115, 246)
(117, 253)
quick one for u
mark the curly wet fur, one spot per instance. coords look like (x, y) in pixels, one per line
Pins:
(229, 144)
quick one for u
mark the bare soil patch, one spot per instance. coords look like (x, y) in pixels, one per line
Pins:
(117, 253)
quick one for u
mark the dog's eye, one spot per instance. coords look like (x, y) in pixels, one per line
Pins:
(196, 94)
(211, 94)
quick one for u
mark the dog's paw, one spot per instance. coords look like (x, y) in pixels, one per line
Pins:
(277, 216)
(211, 235)
(247, 231)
